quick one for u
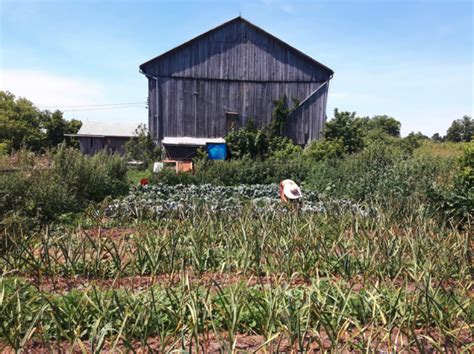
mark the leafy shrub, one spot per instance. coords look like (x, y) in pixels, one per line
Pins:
(324, 150)
(68, 185)
(247, 142)
(346, 128)
(141, 147)
(170, 177)
(241, 171)
(280, 147)
(379, 171)
(457, 202)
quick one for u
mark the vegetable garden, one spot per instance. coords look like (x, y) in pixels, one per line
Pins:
(377, 258)
(272, 279)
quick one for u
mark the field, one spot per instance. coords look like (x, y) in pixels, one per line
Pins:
(377, 258)
(193, 278)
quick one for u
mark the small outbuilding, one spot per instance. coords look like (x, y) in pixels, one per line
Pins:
(95, 136)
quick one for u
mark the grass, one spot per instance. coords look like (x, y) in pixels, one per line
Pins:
(291, 281)
(431, 148)
(135, 175)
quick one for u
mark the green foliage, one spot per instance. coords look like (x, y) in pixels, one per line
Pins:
(71, 182)
(262, 143)
(377, 172)
(381, 124)
(414, 140)
(22, 125)
(141, 146)
(283, 148)
(306, 279)
(170, 177)
(247, 142)
(461, 130)
(457, 201)
(135, 175)
(324, 150)
(280, 115)
(345, 128)
(239, 171)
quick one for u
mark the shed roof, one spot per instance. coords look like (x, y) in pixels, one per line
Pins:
(98, 129)
(239, 19)
(185, 140)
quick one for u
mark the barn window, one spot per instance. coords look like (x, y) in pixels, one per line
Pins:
(92, 142)
(231, 119)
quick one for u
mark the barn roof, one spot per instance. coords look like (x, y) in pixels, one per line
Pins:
(97, 129)
(239, 19)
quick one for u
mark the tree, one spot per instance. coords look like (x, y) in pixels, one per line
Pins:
(437, 137)
(348, 129)
(461, 130)
(141, 146)
(55, 126)
(22, 125)
(385, 124)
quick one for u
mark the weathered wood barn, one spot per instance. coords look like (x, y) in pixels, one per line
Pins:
(232, 74)
(95, 136)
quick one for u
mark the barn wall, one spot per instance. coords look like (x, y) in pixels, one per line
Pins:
(237, 68)
(91, 145)
(197, 108)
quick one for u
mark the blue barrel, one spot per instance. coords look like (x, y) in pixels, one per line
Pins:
(217, 151)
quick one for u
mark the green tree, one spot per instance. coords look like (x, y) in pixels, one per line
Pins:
(55, 126)
(346, 128)
(141, 146)
(461, 130)
(22, 125)
(381, 124)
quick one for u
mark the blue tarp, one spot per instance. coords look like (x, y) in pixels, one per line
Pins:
(217, 151)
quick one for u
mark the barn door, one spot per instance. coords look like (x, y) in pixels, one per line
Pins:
(231, 121)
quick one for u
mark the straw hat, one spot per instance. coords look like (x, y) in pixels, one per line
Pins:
(291, 189)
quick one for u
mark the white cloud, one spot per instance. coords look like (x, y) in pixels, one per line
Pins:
(45, 89)
(52, 91)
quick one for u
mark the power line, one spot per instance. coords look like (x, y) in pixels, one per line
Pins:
(95, 105)
(103, 108)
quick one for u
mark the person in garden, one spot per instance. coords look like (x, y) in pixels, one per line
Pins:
(290, 192)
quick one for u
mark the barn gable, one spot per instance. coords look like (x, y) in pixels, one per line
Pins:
(238, 50)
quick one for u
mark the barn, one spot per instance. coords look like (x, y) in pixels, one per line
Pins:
(96, 136)
(229, 75)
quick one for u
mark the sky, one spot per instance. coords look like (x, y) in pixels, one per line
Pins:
(412, 60)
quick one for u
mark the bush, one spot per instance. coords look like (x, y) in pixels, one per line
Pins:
(324, 150)
(379, 171)
(141, 147)
(234, 172)
(457, 201)
(68, 185)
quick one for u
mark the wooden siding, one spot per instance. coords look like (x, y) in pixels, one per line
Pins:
(235, 68)
(238, 51)
(92, 145)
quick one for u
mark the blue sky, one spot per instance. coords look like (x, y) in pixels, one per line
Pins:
(412, 60)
